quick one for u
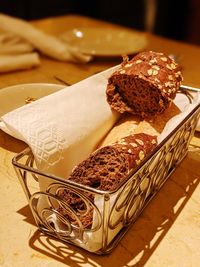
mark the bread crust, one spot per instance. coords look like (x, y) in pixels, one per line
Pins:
(105, 169)
(144, 85)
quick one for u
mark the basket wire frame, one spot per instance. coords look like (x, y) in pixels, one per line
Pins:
(119, 208)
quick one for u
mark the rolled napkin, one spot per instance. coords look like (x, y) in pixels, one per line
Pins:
(18, 62)
(16, 53)
(11, 44)
(47, 44)
(63, 128)
(144, 85)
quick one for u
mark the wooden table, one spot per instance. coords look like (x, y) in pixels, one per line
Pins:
(168, 231)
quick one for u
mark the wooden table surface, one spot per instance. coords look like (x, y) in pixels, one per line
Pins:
(168, 231)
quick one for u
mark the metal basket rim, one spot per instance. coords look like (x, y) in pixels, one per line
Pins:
(26, 151)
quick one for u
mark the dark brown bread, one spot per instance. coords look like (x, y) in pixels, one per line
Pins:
(144, 85)
(105, 169)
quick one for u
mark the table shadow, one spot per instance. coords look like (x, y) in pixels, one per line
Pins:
(145, 234)
(27, 214)
(10, 143)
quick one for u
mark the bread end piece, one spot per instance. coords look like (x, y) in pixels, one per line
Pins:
(145, 85)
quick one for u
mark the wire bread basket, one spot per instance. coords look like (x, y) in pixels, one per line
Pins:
(113, 212)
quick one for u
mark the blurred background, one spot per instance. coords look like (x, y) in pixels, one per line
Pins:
(175, 19)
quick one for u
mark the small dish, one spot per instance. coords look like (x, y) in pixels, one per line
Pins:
(15, 96)
(105, 42)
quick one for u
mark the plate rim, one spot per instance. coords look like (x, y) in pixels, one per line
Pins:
(28, 85)
(140, 34)
(31, 84)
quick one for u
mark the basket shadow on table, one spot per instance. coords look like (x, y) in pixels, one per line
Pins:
(144, 235)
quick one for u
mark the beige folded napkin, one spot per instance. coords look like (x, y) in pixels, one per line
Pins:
(16, 53)
(47, 44)
(11, 44)
(18, 62)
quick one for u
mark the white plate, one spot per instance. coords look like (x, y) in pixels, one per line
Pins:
(105, 42)
(15, 96)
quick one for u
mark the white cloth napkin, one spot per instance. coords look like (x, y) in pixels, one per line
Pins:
(12, 44)
(18, 62)
(63, 128)
(45, 43)
(16, 53)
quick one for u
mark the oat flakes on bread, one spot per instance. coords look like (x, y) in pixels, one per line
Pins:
(144, 85)
(105, 169)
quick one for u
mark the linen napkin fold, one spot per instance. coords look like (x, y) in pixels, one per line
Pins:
(11, 44)
(45, 43)
(63, 128)
(16, 53)
(18, 62)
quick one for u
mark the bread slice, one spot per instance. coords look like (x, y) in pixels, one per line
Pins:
(105, 169)
(144, 85)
